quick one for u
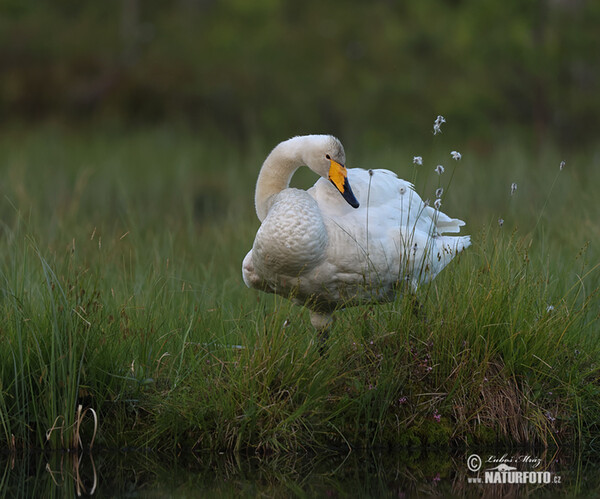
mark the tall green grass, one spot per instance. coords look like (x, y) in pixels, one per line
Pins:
(120, 272)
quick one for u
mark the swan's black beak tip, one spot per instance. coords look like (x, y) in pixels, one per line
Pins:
(338, 175)
(348, 195)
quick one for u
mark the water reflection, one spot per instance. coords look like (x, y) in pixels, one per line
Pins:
(375, 474)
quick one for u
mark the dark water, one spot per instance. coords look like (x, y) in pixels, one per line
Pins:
(375, 474)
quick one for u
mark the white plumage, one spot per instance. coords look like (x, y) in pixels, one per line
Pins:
(316, 249)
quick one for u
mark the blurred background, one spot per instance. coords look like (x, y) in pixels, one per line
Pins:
(370, 72)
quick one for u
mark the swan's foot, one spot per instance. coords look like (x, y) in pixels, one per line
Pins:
(322, 324)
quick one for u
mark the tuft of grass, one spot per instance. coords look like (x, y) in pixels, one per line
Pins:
(120, 292)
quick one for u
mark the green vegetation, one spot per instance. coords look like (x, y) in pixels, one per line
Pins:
(121, 292)
(275, 68)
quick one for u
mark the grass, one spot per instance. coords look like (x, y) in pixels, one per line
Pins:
(121, 292)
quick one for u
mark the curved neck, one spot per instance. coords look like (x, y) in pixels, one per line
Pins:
(276, 173)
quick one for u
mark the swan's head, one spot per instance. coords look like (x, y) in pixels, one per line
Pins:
(326, 157)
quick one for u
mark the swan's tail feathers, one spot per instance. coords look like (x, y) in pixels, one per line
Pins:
(462, 243)
(444, 250)
(446, 224)
(452, 245)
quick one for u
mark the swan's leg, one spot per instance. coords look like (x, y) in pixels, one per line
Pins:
(322, 323)
(418, 310)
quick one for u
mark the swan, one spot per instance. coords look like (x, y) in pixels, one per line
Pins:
(356, 236)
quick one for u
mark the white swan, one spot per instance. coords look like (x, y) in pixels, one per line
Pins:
(325, 251)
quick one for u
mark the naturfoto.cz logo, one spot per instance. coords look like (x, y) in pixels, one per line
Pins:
(506, 469)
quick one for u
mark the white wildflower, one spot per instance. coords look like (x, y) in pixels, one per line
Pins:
(437, 125)
(500, 222)
(438, 192)
(456, 155)
(562, 165)
(418, 160)
(549, 308)
(439, 169)
(513, 188)
(437, 204)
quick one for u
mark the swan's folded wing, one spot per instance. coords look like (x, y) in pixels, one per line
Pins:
(446, 224)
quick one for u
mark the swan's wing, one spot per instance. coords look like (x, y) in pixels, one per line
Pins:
(386, 201)
(372, 188)
(393, 233)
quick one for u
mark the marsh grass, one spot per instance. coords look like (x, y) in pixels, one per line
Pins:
(121, 292)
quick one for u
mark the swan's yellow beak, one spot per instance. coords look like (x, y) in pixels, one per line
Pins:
(338, 175)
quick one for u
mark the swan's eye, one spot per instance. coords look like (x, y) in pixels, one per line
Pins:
(328, 156)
